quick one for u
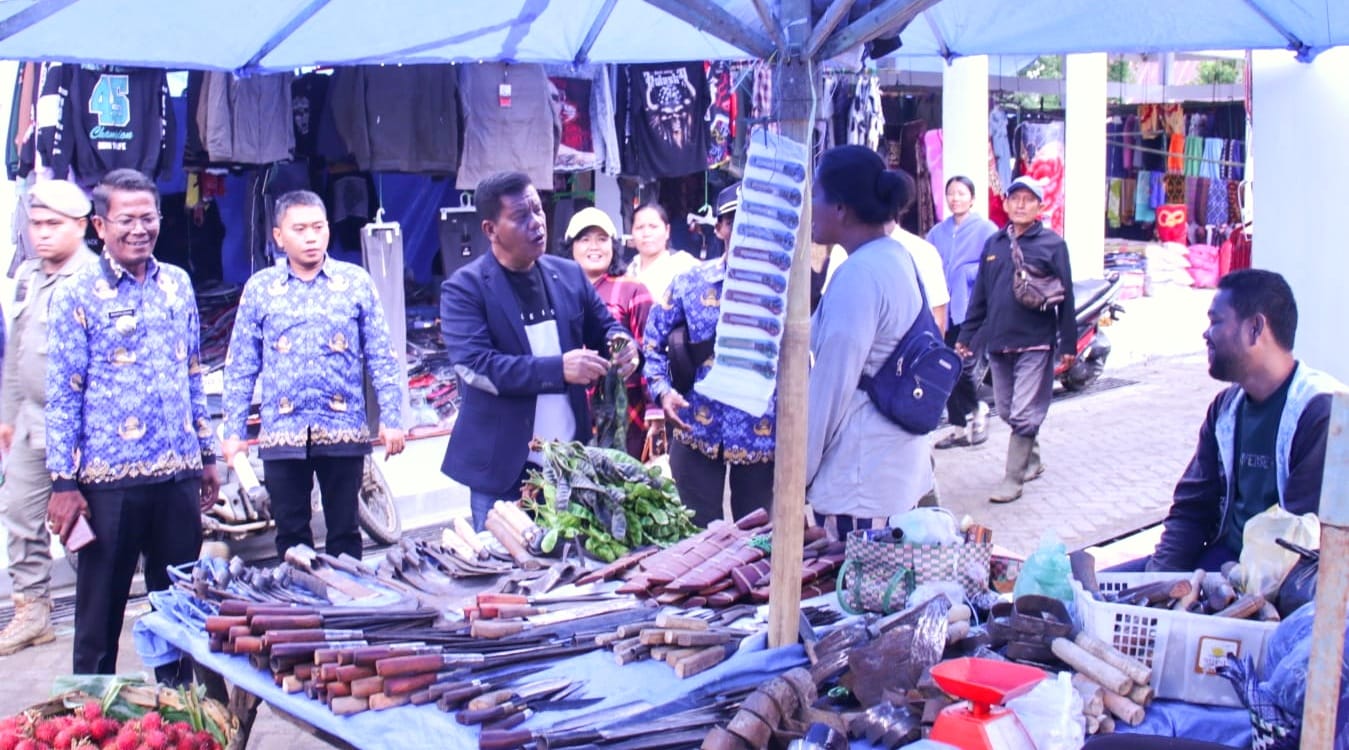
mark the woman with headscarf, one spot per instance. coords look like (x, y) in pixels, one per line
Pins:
(861, 468)
(590, 237)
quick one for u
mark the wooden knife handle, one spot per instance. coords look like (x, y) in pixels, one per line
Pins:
(421, 698)
(470, 537)
(409, 683)
(366, 687)
(457, 694)
(482, 716)
(495, 739)
(699, 662)
(380, 701)
(398, 666)
(495, 628)
(221, 624)
(510, 611)
(488, 700)
(265, 623)
(348, 705)
(502, 531)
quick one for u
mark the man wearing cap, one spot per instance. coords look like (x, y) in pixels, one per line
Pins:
(1023, 345)
(527, 335)
(129, 443)
(57, 212)
(710, 438)
(590, 236)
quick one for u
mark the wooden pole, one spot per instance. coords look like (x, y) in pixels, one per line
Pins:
(794, 81)
(1332, 588)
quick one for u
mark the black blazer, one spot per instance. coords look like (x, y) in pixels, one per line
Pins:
(480, 322)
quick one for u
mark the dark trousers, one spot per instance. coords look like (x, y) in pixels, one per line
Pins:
(161, 521)
(702, 484)
(290, 482)
(965, 396)
(1023, 384)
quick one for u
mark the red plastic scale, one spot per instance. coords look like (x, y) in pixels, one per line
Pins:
(982, 723)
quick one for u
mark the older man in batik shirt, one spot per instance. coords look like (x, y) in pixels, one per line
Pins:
(310, 327)
(127, 430)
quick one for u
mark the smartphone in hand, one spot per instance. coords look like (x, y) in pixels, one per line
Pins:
(81, 536)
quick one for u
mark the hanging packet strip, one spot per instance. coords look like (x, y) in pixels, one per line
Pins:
(754, 293)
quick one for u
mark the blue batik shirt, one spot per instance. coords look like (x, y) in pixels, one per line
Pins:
(310, 343)
(125, 404)
(718, 431)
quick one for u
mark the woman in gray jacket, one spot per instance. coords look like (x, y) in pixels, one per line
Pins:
(861, 468)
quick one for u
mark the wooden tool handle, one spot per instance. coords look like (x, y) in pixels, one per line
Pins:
(1136, 670)
(693, 638)
(672, 621)
(458, 693)
(348, 705)
(267, 623)
(456, 544)
(1246, 606)
(248, 644)
(699, 662)
(511, 611)
(380, 701)
(1076, 657)
(481, 716)
(367, 686)
(399, 666)
(1124, 709)
(1196, 586)
(221, 624)
(422, 697)
(349, 672)
(503, 533)
(495, 739)
(408, 683)
(488, 700)
(494, 629)
(465, 531)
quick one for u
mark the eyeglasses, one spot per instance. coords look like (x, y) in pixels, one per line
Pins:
(128, 223)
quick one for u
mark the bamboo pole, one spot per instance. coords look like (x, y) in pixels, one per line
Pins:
(795, 82)
(1332, 588)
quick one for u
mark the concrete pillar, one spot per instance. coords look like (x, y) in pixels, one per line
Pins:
(964, 118)
(1300, 113)
(1084, 163)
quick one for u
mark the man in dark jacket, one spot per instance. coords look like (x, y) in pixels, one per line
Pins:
(1264, 439)
(527, 334)
(1021, 342)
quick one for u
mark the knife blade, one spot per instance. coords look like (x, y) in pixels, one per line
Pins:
(505, 710)
(767, 348)
(783, 216)
(782, 260)
(789, 194)
(791, 169)
(765, 369)
(786, 240)
(524, 693)
(771, 303)
(769, 326)
(772, 281)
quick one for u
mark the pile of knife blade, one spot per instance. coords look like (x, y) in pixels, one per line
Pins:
(727, 564)
(690, 642)
(306, 578)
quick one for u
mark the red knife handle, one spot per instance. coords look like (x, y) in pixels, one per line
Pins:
(457, 694)
(482, 716)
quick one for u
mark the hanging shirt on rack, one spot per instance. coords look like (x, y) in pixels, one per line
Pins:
(720, 118)
(510, 123)
(308, 101)
(92, 119)
(404, 118)
(665, 106)
(576, 142)
(867, 123)
(246, 120)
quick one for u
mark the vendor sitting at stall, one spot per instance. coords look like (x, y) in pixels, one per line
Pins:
(1264, 440)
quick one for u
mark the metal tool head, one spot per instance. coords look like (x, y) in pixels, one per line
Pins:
(542, 688)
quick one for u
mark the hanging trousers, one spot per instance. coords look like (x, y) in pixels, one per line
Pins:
(161, 521)
(290, 482)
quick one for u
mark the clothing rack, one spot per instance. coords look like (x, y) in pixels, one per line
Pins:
(1147, 150)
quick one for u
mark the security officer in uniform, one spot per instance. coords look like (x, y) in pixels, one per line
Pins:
(57, 218)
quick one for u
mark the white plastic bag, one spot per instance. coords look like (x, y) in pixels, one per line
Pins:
(928, 526)
(1264, 563)
(1052, 714)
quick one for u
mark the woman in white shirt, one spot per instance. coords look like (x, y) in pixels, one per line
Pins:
(656, 264)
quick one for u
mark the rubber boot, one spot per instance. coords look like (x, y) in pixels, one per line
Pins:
(1033, 466)
(1018, 455)
(31, 626)
(978, 425)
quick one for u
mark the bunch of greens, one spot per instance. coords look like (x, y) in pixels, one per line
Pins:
(605, 498)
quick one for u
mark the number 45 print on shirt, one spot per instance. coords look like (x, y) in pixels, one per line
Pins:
(93, 119)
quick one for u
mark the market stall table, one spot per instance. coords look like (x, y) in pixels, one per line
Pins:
(426, 726)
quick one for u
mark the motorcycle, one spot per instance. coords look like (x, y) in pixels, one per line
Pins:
(1096, 310)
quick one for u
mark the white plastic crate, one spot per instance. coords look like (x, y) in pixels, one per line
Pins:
(1184, 649)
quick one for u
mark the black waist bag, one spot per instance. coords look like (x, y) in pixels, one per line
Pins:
(912, 386)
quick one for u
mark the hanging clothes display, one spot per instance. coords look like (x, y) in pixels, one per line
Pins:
(586, 113)
(308, 100)
(92, 119)
(933, 148)
(866, 123)
(665, 104)
(721, 114)
(1041, 151)
(510, 123)
(761, 100)
(401, 118)
(246, 120)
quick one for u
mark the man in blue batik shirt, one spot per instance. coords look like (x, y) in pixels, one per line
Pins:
(310, 327)
(127, 431)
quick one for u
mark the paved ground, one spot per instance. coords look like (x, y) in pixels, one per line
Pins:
(1113, 455)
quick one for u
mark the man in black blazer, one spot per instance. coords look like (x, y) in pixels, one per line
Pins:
(527, 334)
